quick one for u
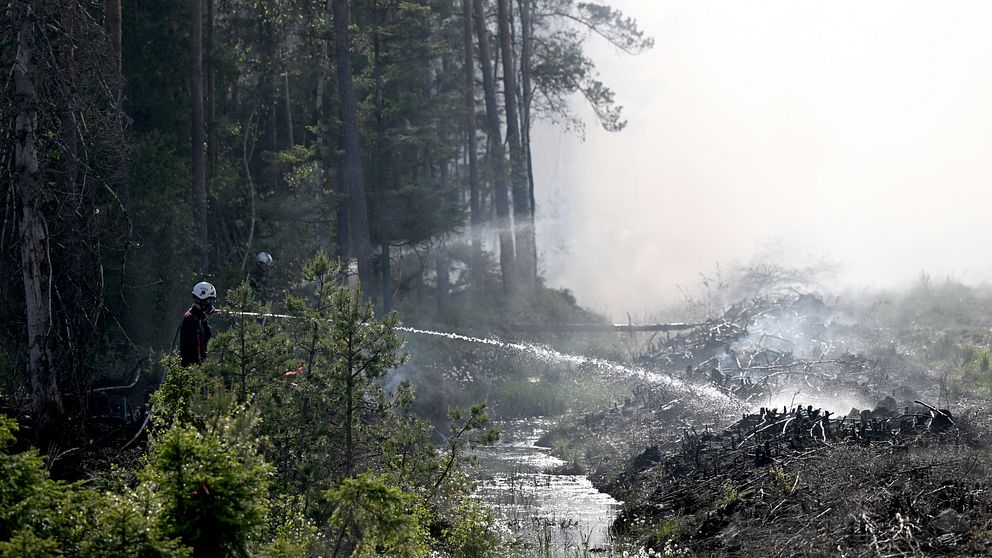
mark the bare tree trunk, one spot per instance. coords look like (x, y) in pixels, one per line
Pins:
(441, 261)
(211, 123)
(526, 55)
(443, 280)
(319, 186)
(342, 225)
(353, 178)
(36, 272)
(349, 452)
(526, 263)
(199, 187)
(379, 172)
(271, 110)
(290, 139)
(471, 146)
(246, 155)
(502, 195)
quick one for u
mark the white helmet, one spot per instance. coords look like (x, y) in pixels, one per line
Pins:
(204, 290)
(263, 258)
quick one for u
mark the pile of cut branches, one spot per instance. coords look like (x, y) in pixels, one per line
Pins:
(801, 482)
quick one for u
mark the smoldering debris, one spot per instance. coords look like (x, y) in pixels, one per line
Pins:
(774, 351)
(796, 481)
(840, 445)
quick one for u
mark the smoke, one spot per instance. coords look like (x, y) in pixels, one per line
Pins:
(805, 333)
(852, 130)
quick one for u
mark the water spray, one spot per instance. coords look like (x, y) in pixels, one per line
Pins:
(547, 354)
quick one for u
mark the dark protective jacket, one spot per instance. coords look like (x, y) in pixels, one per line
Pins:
(194, 334)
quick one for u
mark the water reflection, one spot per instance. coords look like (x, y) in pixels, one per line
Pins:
(555, 515)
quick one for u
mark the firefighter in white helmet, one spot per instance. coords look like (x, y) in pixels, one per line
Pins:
(194, 331)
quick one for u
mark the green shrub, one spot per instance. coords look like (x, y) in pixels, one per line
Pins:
(379, 518)
(213, 496)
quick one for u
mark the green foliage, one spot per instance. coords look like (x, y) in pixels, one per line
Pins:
(472, 534)
(25, 489)
(206, 489)
(26, 544)
(188, 395)
(213, 493)
(122, 528)
(408, 452)
(30, 499)
(291, 534)
(248, 355)
(43, 517)
(729, 493)
(561, 68)
(975, 366)
(328, 405)
(380, 519)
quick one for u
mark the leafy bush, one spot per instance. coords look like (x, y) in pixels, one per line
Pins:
(379, 518)
(213, 495)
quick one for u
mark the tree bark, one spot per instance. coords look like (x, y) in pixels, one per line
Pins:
(471, 146)
(290, 139)
(526, 95)
(349, 452)
(353, 178)
(199, 186)
(319, 186)
(443, 280)
(526, 263)
(379, 173)
(501, 193)
(36, 272)
(211, 70)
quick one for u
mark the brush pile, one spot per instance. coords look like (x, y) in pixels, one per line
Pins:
(770, 477)
(758, 345)
(799, 481)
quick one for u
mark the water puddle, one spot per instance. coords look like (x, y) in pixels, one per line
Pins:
(551, 515)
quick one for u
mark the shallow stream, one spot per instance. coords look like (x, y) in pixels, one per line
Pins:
(551, 515)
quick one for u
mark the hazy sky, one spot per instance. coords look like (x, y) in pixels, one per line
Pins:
(859, 131)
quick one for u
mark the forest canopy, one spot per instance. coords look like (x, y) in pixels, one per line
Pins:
(333, 162)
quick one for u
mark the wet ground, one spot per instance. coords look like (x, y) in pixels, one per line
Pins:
(554, 515)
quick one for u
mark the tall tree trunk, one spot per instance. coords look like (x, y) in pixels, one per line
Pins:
(199, 186)
(353, 178)
(441, 259)
(443, 280)
(379, 172)
(471, 146)
(69, 133)
(526, 56)
(343, 226)
(349, 452)
(211, 68)
(526, 262)
(271, 111)
(290, 140)
(506, 253)
(319, 186)
(36, 272)
(112, 23)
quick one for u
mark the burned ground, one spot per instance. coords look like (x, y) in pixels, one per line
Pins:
(834, 439)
